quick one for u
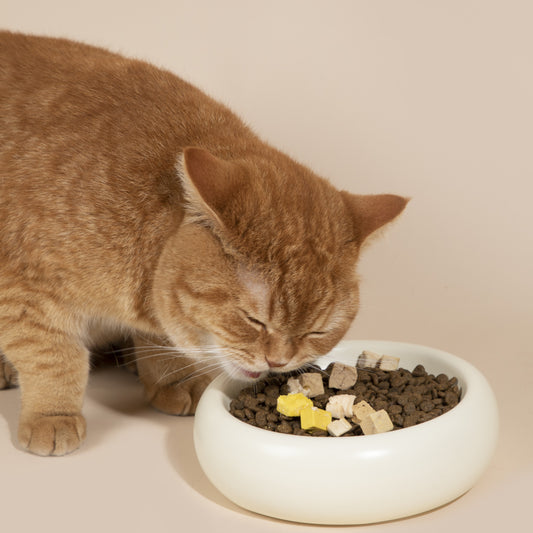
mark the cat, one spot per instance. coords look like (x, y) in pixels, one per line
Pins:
(131, 203)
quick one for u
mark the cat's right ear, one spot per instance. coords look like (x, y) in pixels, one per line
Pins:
(369, 213)
(208, 182)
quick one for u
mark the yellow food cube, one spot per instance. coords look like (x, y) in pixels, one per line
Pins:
(313, 418)
(292, 404)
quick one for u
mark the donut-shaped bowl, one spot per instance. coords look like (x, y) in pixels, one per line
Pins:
(356, 479)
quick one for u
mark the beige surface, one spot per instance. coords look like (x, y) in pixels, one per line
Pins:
(428, 99)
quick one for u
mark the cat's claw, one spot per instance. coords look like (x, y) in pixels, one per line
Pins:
(52, 435)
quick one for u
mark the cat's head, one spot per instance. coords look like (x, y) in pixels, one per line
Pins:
(262, 271)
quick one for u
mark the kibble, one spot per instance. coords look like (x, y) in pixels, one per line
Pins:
(409, 398)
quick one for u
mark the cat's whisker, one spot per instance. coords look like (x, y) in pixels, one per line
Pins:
(178, 350)
(179, 355)
(201, 367)
(199, 375)
(204, 370)
(314, 366)
(169, 357)
(230, 374)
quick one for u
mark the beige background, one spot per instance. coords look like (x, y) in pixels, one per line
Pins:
(428, 99)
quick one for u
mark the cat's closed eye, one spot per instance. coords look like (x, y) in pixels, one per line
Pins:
(255, 322)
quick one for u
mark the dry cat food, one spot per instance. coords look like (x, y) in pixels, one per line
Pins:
(345, 400)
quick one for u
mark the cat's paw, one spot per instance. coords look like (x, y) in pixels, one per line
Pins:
(8, 374)
(180, 398)
(52, 435)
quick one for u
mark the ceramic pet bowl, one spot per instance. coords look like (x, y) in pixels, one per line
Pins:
(356, 479)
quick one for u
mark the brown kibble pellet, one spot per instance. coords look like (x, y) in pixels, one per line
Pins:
(426, 406)
(442, 379)
(403, 400)
(363, 376)
(409, 408)
(398, 380)
(395, 410)
(380, 404)
(419, 371)
(261, 418)
(237, 405)
(415, 398)
(409, 420)
(451, 398)
(424, 417)
(272, 417)
(284, 427)
(250, 402)
(271, 401)
(239, 413)
(397, 420)
(272, 390)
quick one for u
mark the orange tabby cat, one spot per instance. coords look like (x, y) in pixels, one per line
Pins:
(131, 202)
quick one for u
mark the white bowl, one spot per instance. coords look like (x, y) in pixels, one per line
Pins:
(358, 479)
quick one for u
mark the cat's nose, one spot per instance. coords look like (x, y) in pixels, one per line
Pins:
(280, 351)
(274, 364)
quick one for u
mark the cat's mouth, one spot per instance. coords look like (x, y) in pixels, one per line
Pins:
(250, 374)
(239, 372)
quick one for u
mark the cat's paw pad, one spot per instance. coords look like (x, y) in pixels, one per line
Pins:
(52, 435)
(180, 398)
(8, 374)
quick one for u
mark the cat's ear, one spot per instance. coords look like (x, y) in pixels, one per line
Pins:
(208, 182)
(371, 212)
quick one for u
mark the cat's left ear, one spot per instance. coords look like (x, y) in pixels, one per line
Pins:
(371, 212)
(208, 183)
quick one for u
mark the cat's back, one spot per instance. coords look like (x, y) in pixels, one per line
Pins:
(31, 53)
(29, 62)
(63, 92)
(50, 84)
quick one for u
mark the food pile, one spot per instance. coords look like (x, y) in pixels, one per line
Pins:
(374, 396)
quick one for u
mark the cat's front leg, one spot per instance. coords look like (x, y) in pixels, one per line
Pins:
(173, 382)
(52, 371)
